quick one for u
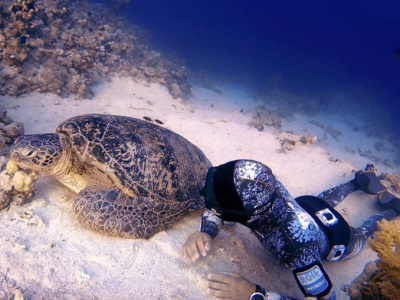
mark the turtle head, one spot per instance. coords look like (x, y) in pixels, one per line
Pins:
(39, 152)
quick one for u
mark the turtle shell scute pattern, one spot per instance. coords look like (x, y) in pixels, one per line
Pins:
(145, 159)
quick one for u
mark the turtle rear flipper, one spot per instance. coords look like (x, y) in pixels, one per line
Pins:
(112, 212)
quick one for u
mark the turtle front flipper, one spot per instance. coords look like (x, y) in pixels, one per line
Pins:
(113, 213)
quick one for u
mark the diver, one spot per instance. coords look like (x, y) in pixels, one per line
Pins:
(300, 232)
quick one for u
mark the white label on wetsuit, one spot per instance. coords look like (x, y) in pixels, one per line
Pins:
(313, 281)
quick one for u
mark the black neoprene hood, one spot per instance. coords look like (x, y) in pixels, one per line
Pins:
(221, 196)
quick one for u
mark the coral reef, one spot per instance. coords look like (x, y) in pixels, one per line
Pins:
(387, 245)
(9, 131)
(289, 140)
(65, 46)
(16, 185)
(392, 180)
(382, 283)
(262, 117)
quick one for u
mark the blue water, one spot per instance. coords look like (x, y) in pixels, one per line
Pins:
(316, 46)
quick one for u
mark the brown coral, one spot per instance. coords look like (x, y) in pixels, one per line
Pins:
(385, 283)
(387, 245)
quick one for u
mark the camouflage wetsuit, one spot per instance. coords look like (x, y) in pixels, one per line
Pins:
(283, 227)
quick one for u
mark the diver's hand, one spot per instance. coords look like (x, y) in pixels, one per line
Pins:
(229, 286)
(198, 244)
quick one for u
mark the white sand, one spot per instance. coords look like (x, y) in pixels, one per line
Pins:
(47, 254)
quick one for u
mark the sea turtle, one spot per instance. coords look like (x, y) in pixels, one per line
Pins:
(133, 178)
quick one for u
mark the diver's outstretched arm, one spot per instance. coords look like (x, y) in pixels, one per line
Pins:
(210, 223)
(199, 243)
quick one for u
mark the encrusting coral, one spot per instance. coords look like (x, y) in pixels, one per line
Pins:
(16, 184)
(64, 46)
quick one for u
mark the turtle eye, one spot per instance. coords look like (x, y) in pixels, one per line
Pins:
(29, 153)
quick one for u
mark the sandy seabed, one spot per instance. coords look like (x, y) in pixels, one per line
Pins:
(45, 253)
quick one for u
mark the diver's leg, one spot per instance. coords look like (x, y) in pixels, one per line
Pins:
(336, 194)
(365, 180)
(360, 235)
